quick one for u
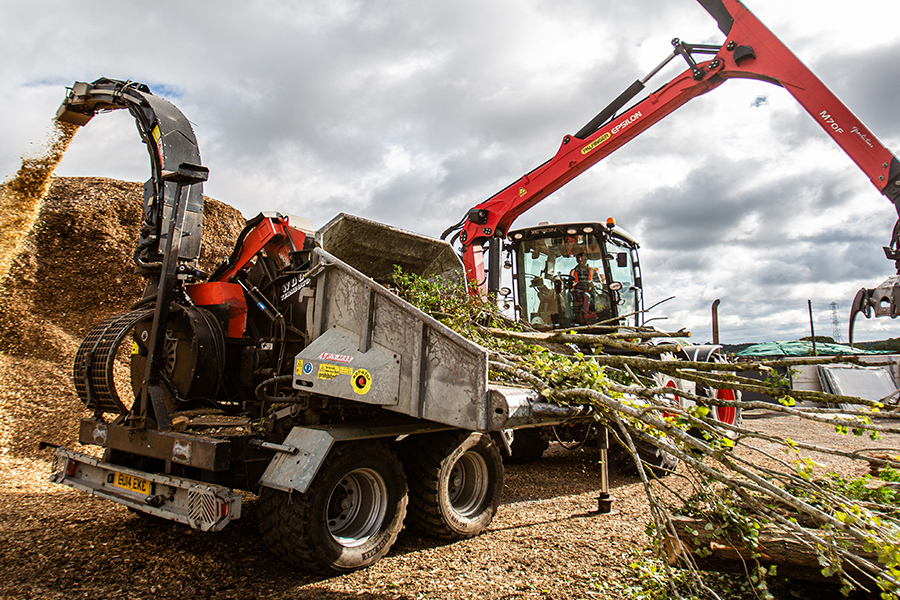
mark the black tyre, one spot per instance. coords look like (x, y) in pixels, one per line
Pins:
(455, 483)
(528, 445)
(658, 462)
(349, 517)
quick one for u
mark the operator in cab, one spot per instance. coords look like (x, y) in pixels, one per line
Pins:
(585, 295)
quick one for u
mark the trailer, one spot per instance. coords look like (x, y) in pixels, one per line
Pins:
(287, 373)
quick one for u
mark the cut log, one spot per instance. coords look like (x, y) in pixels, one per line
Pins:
(219, 421)
(698, 541)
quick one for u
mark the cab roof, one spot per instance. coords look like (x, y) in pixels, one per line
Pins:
(572, 228)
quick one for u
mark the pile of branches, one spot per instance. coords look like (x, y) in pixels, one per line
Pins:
(730, 490)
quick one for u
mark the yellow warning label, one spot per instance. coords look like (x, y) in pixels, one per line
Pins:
(134, 348)
(522, 191)
(596, 143)
(361, 381)
(298, 368)
(156, 133)
(329, 371)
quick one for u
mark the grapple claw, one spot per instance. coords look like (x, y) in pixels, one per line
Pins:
(883, 300)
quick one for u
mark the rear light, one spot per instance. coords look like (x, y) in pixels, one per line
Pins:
(71, 466)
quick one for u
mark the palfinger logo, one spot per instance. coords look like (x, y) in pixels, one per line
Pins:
(361, 382)
(605, 137)
(596, 143)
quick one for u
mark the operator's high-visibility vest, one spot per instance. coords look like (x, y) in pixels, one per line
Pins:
(591, 272)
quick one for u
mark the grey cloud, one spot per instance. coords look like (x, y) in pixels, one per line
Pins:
(867, 82)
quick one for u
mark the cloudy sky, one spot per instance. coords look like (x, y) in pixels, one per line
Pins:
(410, 112)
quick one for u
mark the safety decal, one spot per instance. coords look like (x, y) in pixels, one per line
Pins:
(342, 358)
(134, 348)
(522, 191)
(299, 367)
(157, 137)
(327, 371)
(361, 382)
(307, 369)
(596, 143)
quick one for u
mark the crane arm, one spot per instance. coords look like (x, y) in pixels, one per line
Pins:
(750, 51)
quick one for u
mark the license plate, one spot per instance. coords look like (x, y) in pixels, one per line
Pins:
(133, 484)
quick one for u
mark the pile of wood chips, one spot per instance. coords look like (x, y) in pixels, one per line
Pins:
(73, 270)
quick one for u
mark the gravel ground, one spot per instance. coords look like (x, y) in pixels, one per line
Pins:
(547, 541)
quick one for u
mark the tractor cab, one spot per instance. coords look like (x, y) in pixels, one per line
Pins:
(576, 274)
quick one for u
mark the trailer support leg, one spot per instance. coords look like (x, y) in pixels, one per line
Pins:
(605, 499)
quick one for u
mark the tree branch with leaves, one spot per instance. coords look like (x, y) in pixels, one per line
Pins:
(751, 491)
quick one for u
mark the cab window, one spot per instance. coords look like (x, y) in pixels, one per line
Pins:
(562, 282)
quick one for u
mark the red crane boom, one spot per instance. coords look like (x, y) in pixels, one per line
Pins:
(750, 51)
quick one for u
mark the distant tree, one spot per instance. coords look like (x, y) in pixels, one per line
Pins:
(734, 348)
(820, 339)
(892, 345)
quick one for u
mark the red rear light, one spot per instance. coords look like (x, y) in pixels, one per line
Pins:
(71, 466)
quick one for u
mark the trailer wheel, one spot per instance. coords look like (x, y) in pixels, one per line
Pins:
(528, 445)
(349, 517)
(455, 482)
(657, 461)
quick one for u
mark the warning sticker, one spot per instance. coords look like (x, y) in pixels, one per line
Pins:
(134, 348)
(327, 371)
(343, 358)
(298, 368)
(361, 381)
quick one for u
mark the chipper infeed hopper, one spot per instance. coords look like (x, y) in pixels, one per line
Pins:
(370, 346)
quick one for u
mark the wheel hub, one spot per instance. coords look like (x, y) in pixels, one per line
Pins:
(468, 484)
(357, 507)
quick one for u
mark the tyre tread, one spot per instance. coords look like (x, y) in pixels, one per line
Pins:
(422, 457)
(285, 519)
